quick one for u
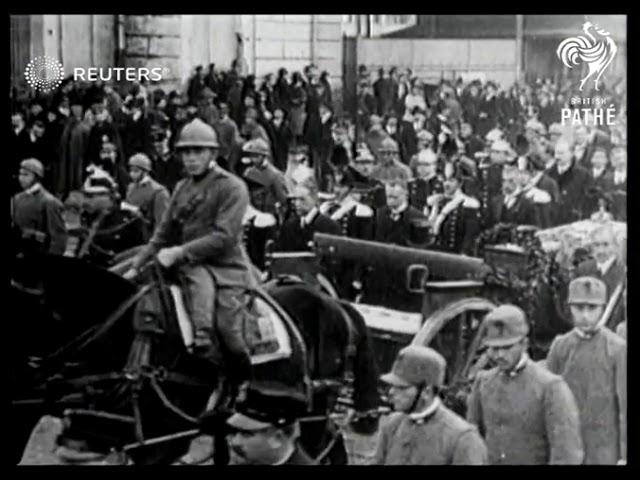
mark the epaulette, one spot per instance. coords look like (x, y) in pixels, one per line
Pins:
(470, 202)
(363, 211)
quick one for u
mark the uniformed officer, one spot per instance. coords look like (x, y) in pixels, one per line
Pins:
(593, 361)
(489, 183)
(363, 168)
(355, 217)
(144, 194)
(422, 431)
(527, 415)
(265, 428)
(427, 181)
(201, 231)
(390, 166)
(273, 193)
(455, 216)
(36, 214)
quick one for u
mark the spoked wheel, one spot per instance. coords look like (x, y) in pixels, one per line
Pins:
(455, 331)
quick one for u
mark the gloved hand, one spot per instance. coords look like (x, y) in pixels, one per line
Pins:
(169, 256)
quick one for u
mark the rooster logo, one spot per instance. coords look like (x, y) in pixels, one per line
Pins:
(597, 49)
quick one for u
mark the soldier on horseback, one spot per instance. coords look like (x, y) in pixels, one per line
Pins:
(201, 232)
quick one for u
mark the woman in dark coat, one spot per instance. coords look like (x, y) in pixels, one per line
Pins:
(281, 91)
(297, 113)
(281, 137)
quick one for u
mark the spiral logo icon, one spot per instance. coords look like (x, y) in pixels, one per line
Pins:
(44, 73)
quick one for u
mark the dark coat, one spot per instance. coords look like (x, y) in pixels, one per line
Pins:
(395, 232)
(602, 184)
(294, 238)
(460, 228)
(167, 170)
(408, 139)
(269, 187)
(98, 131)
(574, 185)
(281, 138)
(420, 190)
(383, 90)
(73, 148)
(522, 212)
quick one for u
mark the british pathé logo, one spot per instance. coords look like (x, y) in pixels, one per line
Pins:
(596, 48)
(44, 73)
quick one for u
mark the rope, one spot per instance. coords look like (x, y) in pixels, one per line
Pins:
(328, 448)
(165, 401)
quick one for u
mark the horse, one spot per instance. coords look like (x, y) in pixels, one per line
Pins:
(50, 340)
(163, 388)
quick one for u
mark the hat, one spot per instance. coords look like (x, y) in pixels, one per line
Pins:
(268, 405)
(34, 166)
(256, 147)
(587, 290)
(425, 136)
(504, 326)
(364, 156)
(141, 161)
(416, 365)
(522, 145)
(389, 145)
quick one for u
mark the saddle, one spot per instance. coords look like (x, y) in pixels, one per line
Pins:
(264, 331)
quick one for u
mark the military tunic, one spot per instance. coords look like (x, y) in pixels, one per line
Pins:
(420, 189)
(595, 369)
(530, 418)
(37, 214)
(442, 438)
(457, 224)
(151, 198)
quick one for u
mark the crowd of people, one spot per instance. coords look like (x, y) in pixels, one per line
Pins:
(426, 166)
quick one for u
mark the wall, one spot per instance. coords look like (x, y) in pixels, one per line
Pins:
(436, 59)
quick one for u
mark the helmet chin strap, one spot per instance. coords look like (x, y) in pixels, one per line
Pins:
(416, 398)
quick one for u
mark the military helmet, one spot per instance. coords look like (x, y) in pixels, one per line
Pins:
(141, 161)
(389, 145)
(416, 365)
(34, 166)
(589, 290)
(256, 146)
(197, 134)
(504, 326)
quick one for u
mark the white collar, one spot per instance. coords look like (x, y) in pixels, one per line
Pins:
(33, 189)
(290, 451)
(585, 335)
(420, 417)
(308, 218)
(604, 267)
(597, 173)
(562, 170)
(619, 176)
(146, 179)
(402, 208)
(520, 365)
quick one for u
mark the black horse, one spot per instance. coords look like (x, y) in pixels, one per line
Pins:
(155, 387)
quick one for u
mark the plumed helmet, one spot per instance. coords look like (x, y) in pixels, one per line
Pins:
(141, 161)
(389, 145)
(34, 166)
(256, 146)
(416, 365)
(197, 134)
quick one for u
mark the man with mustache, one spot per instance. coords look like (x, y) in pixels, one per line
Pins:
(264, 429)
(528, 415)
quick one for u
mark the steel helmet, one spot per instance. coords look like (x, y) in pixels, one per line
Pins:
(34, 166)
(389, 145)
(141, 161)
(416, 365)
(256, 147)
(197, 134)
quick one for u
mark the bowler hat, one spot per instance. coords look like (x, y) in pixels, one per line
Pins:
(504, 326)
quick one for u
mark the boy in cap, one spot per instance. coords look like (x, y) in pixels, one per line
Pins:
(36, 214)
(144, 194)
(422, 431)
(264, 428)
(593, 361)
(261, 172)
(527, 414)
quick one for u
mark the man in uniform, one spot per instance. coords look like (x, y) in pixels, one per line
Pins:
(363, 168)
(144, 195)
(489, 183)
(454, 215)
(36, 214)
(422, 431)
(390, 167)
(527, 415)
(593, 361)
(265, 430)
(273, 193)
(606, 266)
(356, 218)
(427, 181)
(201, 232)
(538, 188)
(393, 221)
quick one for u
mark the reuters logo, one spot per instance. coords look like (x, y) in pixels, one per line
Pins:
(44, 73)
